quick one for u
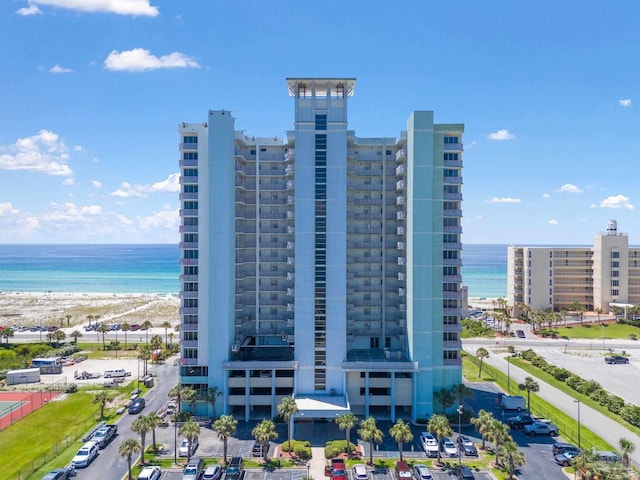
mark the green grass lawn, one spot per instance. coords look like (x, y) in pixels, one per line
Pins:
(28, 443)
(594, 331)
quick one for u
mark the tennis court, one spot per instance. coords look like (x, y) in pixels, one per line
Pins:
(16, 405)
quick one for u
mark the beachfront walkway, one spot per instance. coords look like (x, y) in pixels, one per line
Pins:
(604, 427)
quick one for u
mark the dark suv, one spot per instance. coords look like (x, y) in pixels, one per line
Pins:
(615, 359)
(561, 447)
(519, 421)
(463, 473)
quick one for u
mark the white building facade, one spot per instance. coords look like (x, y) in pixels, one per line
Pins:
(322, 265)
(554, 277)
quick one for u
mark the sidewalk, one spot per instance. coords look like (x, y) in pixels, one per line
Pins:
(604, 427)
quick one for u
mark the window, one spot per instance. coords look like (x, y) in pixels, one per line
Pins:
(615, 283)
(189, 155)
(451, 156)
(190, 172)
(451, 140)
(615, 292)
(615, 254)
(615, 273)
(190, 139)
(451, 172)
(615, 264)
(190, 254)
(374, 342)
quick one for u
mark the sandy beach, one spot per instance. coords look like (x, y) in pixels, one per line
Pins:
(71, 309)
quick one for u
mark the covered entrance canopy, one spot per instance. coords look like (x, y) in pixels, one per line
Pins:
(316, 407)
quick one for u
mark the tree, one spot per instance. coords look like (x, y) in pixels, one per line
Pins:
(481, 353)
(264, 432)
(439, 426)
(6, 333)
(146, 325)
(156, 342)
(212, 395)
(89, 317)
(498, 434)
(144, 354)
(511, 456)
(529, 385)
(190, 430)
(225, 426)
(101, 399)
(75, 335)
(127, 450)
(401, 433)
(103, 329)
(578, 308)
(176, 393)
(346, 422)
(68, 317)
(626, 447)
(166, 325)
(189, 395)
(155, 421)
(461, 391)
(482, 424)
(171, 337)
(287, 409)
(445, 398)
(369, 432)
(142, 426)
(125, 327)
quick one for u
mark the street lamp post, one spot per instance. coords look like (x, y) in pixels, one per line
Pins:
(308, 469)
(175, 439)
(602, 325)
(578, 402)
(508, 375)
(460, 410)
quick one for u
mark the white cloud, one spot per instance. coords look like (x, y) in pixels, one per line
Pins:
(501, 135)
(625, 102)
(167, 219)
(68, 181)
(124, 220)
(546, 195)
(59, 69)
(7, 208)
(120, 7)
(78, 148)
(43, 152)
(504, 200)
(128, 190)
(616, 201)
(96, 184)
(140, 60)
(478, 217)
(553, 221)
(570, 188)
(30, 10)
(69, 212)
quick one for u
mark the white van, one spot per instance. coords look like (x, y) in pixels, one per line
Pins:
(85, 455)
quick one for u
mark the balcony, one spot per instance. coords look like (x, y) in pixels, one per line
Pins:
(400, 200)
(453, 163)
(188, 163)
(400, 171)
(290, 154)
(453, 147)
(400, 231)
(189, 294)
(401, 155)
(188, 229)
(289, 170)
(188, 180)
(400, 216)
(188, 146)
(188, 278)
(400, 186)
(188, 195)
(184, 245)
(188, 261)
(189, 361)
(452, 180)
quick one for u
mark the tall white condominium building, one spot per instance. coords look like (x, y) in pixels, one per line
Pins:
(322, 265)
(599, 277)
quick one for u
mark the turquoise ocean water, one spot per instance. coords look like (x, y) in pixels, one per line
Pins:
(154, 269)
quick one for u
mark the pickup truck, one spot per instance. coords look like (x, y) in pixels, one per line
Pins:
(104, 435)
(541, 428)
(121, 372)
(520, 421)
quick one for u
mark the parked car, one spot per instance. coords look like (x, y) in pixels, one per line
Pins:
(565, 458)
(213, 472)
(403, 472)
(259, 449)
(466, 446)
(58, 474)
(541, 428)
(429, 444)
(615, 359)
(360, 472)
(520, 421)
(150, 473)
(520, 333)
(561, 447)
(194, 469)
(448, 448)
(422, 472)
(85, 455)
(183, 451)
(463, 472)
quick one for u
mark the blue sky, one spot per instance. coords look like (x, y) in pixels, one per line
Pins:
(93, 90)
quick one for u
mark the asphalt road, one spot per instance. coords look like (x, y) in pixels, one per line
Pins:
(109, 460)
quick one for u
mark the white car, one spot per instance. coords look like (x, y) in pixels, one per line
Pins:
(422, 472)
(448, 448)
(429, 444)
(183, 451)
(360, 472)
(150, 473)
(85, 455)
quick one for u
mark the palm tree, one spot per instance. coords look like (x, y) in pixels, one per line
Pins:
(225, 426)
(578, 308)
(144, 354)
(156, 342)
(176, 393)
(461, 391)
(498, 434)
(482, 423)
(369, 432)
(155, 421)
(59, 336)
(626, 447)
(212, 394)
(287, 409)
(146, 325)
(171, 336)
(439, 426)
(166, 325)
(401, 433)
(346, 422)
(445, 398)
(264, 432)
(529, 385)
(189, 395)
(481, 353)
(141, 425)
(102, 398)
(75, 335)
(127, 450)
(103, 329)
(68, 317)
(90, 317)
(6, 333)
(511, 456)
(125, 327)
(190, 430)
